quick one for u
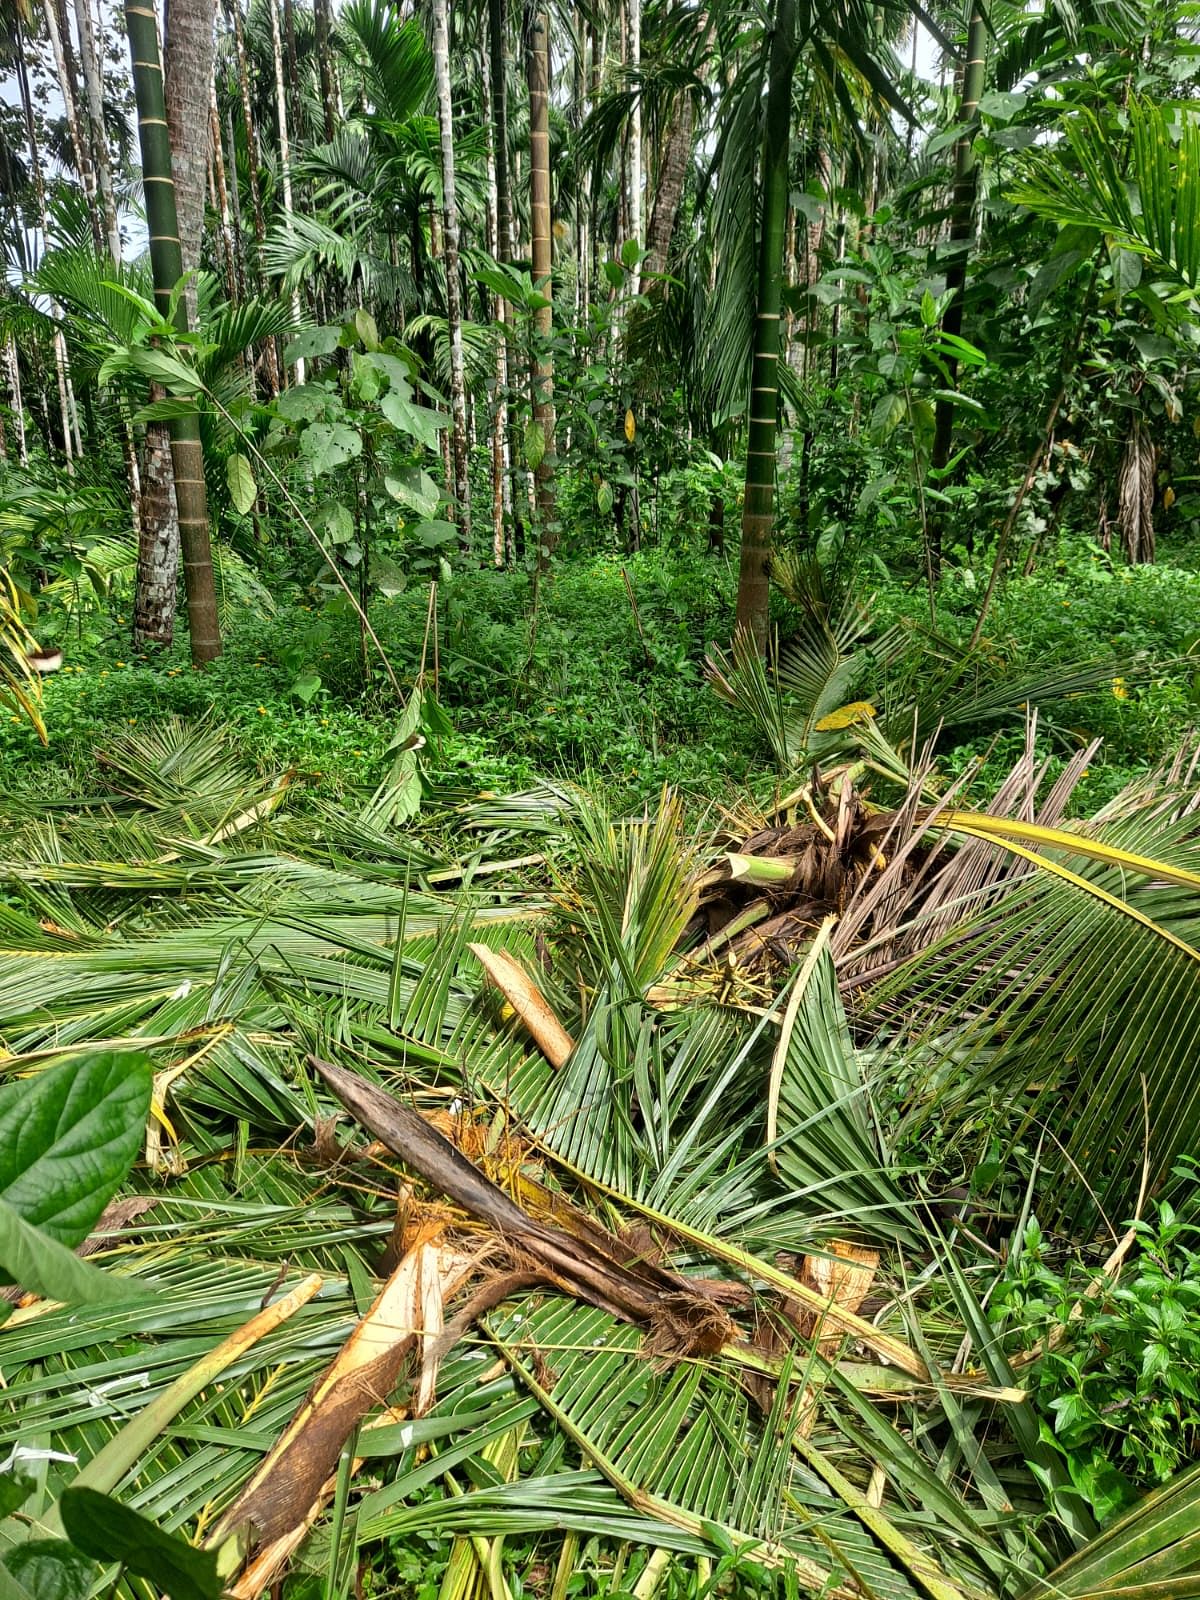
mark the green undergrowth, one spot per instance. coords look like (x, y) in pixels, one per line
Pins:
(600, 678)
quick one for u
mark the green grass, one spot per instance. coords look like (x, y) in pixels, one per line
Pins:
(572, 690)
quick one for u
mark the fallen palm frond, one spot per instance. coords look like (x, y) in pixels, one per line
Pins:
(702, 1289)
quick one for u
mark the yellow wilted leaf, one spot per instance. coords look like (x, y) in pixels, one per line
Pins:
(1168, 498)
(846, 716)
(630, 426)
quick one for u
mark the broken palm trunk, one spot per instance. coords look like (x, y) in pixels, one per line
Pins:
(681, 1318)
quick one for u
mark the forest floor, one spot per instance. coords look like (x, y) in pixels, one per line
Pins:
(585, 688)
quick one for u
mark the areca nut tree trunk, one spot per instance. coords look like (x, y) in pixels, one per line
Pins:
(634, 54)
(166, 262)
(93, 85)
(758, 511)
(962, 215)
(499, 440)
(285, 150)
(668, 191)
(537, 66)
(67, 88)
(505, 421)
(458, 388)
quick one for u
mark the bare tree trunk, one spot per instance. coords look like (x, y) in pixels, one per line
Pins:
(93, 82)
(39, 189)
(458, 401)
(187, 82)
(158, 542)
(187, 86)
(537, 66)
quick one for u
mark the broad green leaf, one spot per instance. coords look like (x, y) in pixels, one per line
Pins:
(69, 1135)
(615, 274)
(10, 1589)
(367, 382)
(336, 521)
(604, 497)
(15, 1489)
(419, 422)
(889, 409)
(1002, 105)
(110, 1531)
(387, 575)
(365, 328)
(631, 253)
(42, 1266)
(307, 685)
(242, 488)
(51, 1569)
(312, 342)
(329, 445)
(436, 531)
(1126, 268)
(304, 403)
(395, 369)
(535, 444)
(413, 488)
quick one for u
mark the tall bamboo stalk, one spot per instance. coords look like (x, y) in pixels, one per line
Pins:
(166, 261)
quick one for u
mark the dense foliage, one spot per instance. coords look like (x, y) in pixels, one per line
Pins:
(613, 1007)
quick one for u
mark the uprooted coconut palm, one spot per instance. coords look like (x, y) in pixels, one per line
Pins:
(578, 1262)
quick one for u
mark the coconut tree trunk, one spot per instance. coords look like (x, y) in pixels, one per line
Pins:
(962, 215)
(188, 75)
(93, 83)
(166, 261)
(759, 506)
(537, 68)
(458, 390)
